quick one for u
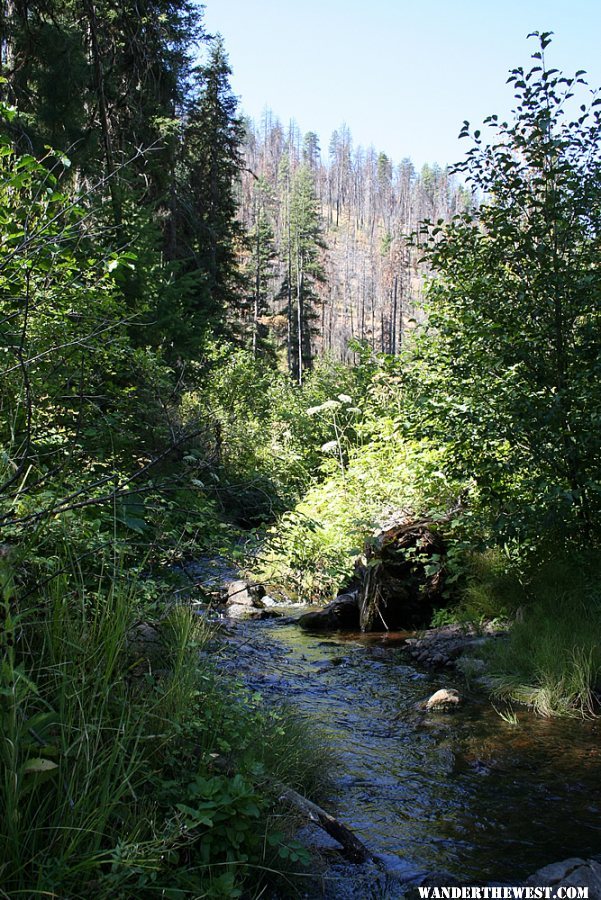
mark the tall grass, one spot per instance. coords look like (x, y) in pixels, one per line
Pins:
(69, 736)
(552, 658)
(109, 784)
(494, 587)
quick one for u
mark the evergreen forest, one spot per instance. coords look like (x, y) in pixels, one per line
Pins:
(220, 341)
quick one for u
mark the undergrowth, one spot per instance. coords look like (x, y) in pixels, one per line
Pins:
(491, 586)
(311, 550)
(552, 658)
(129, 768)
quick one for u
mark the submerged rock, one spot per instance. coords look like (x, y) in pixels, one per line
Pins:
(242, 611)
(247, 600)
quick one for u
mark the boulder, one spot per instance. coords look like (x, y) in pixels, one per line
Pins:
(242, 611)
(573, 872)
(555, 872)
(145, 648)
(245, 593)
(443, 700)
(339, 615)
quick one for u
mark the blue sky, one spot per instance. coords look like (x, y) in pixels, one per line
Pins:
(402, 74)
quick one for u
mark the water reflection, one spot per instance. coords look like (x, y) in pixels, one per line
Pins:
(466, 794)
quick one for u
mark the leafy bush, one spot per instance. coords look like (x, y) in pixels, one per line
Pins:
(312, 549)
(265, 445)
(490, 586)
(506, 373)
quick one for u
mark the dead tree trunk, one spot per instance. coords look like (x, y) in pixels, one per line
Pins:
(352, 847)
(404, 573)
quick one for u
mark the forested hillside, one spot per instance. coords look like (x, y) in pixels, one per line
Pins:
(220, 342)
(354, 209)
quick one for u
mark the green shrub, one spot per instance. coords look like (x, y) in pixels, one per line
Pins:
(264, 443)
(311, 551)
(490, 585)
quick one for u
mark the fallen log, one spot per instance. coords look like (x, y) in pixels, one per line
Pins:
(353, 848)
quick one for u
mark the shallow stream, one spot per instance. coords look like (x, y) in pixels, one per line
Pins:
(467, 795)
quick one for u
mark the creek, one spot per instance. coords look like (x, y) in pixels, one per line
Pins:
(466, 795)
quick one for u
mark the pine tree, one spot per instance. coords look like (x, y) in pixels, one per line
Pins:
(212, 163)
(104, 83)
(311, 151)
(46, 67)
(304, 270)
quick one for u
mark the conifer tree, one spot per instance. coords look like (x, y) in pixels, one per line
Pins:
(213, 138)
(304, 270)
(102, 82)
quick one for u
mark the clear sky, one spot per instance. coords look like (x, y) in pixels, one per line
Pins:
(402, 74)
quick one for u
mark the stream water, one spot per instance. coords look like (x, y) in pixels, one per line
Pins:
(467, 795)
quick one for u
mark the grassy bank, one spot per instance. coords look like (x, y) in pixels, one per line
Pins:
(551, 604)
(552, 659)
(129, 767)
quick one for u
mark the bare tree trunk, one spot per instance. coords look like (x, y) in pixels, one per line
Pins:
(401, 313)
(102, 109)
(299, 311)
(373, 320)
(257, 297)
(393, 316)
(363, 303)
(289, 281)
(352, 323)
